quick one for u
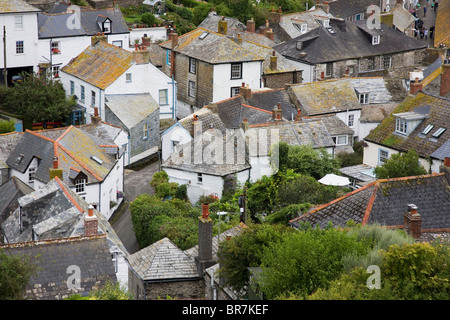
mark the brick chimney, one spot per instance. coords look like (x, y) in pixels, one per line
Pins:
(273, 61)
(55, 171)
(270, 34)
(174, 38)
(145, 41)
(196, 127)
(445, 80)
(96, 119)
(90, 222)
(415, 86)
(298, 116)
(98, 37)
(245, 125)
(222, 26)
(275, 17)
(412, 222)
(245, 91)
(251, 25)
(277, 112)
(141, 55)
(204, 259)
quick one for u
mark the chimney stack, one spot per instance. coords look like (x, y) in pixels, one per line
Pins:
(273, 61)
(141, 55)
(298, 116)
(98, 37)
(445, 79)
(90, 222)
(251, 25)
(174, 38)
(96, 119)
(145, 41)
(245, 125)
(55, 171)
(205, 258)
(277, 112)
(275, 17)
(413, 222)
(245, 91)
(415, 86)
(223, 26)
(270, 34)
(196, 127)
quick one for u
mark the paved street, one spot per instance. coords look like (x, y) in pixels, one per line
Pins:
(428, 19)
(136, 182)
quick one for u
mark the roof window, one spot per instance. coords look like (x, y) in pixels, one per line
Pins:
(427, 129)
(203, 35)
(97, 160)
(439, 132)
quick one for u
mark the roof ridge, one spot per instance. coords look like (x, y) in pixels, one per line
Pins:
(68, 195)
(370, 203)
(39, 135)
(51, 241)
(256, 108)
(431, 175)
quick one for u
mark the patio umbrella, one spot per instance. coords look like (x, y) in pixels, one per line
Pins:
(334, 180)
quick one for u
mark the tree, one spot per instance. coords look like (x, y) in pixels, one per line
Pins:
(39, 99)
(400, 165)
(15, 272)
(245, 250)
(7, 126)
(109, 291)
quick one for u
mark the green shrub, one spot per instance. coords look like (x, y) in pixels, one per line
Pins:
(7, 126)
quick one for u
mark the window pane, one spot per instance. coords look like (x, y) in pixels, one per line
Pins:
(19, 47)
(163, 97)
(236, 71)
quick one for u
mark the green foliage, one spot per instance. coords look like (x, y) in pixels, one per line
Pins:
(154, 219)
(306, 160)
(347, 159)
(148, 18)
(109, 291)
(400, 165)
(15, 272)
(202, 10)
(158, 178)
(39, 99)
(203, 199)
(305, 261)
(284, 215)
(246, 250)
(7, 126)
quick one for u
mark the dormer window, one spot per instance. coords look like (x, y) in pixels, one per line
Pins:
(107, 26)
(401, 126)
(304, 28)
(326, 23)
(104, 23)
(406, 122)
(375, 40)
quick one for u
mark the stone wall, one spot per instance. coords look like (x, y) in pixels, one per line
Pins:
(279, 80)
(194, 289)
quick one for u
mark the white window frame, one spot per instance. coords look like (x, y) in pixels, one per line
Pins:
(93, 98)
(18, 22)
(163, 97)
(191, 89)
(387, 62)
(401, 126)
(54, 46)
(234, 91)
(363, 98)
(72, 87)
(145, 131)
(340, 143)
(80, 186)
(304, 28)
(375, 40)
(128, 77)
(329, 69)
(55, 71)
(82, 93)
(192, 65)
(383, 156)
(351, 120)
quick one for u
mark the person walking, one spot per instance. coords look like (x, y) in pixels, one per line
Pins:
(432, 5)
(424, 11)
(436, 5)
(425, 33)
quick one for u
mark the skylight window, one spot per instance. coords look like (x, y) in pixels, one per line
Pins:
(203, 35)
(438, 132)
(97, 160)
(427, 129)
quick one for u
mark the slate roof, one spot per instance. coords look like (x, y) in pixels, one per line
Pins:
(74, 148)
(335, 126)
(131, 109)
(351, 40)
(346, 8)
(214, 48)
(217, 164)
(385, 201)
(442, 152)
(442, 29)
(291, 22)
(161, 261)
(7, 6)
(425, 145)
(207, 117)
(322, 97)
(8, 142)
(100, 64)
(52, 259)
(54, 25)
(211, 22)
(376, 112)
